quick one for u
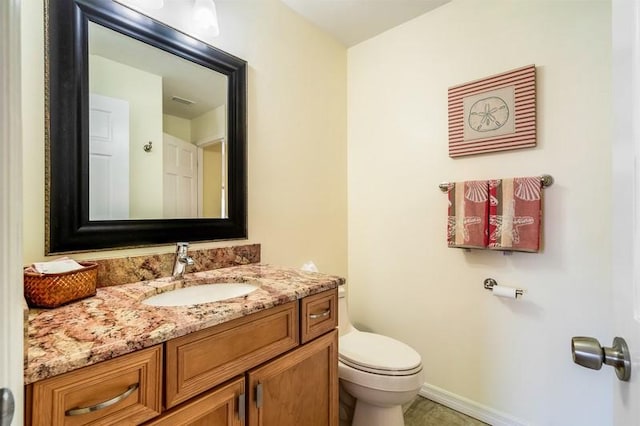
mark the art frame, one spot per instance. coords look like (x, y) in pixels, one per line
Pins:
(496, 113)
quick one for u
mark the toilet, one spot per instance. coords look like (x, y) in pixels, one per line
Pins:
(381, 373)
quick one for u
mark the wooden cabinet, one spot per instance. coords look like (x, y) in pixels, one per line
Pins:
(207, 375)
(121, 391)
(298, 388)
(201, 360)
(223, 406)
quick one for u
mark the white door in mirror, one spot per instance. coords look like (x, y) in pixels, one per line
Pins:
(198, 294)
(108, 158)
(180, 174)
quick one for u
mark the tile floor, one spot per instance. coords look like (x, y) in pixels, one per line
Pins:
(423, 412)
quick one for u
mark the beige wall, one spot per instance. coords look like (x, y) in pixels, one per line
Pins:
(177, 126)
(296, 135)
(212, 180)
(210, 126)
(512, 357)
(207, 127)
(143, 92)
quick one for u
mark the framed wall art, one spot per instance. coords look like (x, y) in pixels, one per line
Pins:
(496, 113)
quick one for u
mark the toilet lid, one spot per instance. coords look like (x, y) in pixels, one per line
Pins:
(378, 354)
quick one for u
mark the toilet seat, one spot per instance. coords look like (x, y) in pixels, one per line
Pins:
(377, 354)
(382, 382)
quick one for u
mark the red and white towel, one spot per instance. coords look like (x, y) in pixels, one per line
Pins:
(515, 214)
(468, 214)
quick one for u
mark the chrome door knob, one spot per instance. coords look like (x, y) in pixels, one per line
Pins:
(587, 352)
(7, 406)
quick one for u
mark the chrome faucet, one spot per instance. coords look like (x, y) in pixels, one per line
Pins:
(182, 260)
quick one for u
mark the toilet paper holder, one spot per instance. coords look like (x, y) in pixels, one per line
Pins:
(489, 283)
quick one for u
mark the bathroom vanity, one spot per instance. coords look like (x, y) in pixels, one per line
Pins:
(267, 358)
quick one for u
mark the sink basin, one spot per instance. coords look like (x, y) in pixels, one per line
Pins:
(204, 293)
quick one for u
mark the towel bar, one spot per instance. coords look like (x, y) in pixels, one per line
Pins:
(545, 180)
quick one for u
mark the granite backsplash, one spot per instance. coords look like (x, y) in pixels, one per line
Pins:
(126, 270)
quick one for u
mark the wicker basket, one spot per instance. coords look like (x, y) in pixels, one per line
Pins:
(53, 290)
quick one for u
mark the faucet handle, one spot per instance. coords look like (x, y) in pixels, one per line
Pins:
(182, 260)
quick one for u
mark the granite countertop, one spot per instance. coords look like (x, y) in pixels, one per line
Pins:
(115, 322)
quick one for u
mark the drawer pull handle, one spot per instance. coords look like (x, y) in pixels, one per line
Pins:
(102, 405)
(241, 407)
(320, 315)
(259, 395)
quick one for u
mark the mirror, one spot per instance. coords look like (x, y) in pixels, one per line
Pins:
(153, 118)
(146, 140)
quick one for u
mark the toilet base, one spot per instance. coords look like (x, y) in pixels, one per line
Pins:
(373, 415)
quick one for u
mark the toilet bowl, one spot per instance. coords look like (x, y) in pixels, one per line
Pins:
(381, 373)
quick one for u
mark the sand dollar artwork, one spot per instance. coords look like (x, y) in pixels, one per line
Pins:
(488, 114)
(496, 113)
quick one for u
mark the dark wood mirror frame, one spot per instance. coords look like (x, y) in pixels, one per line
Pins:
(67, 132)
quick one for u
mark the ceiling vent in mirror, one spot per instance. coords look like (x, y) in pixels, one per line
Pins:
(182, 100)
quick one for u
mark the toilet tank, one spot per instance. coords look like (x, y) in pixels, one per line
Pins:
(344, 324)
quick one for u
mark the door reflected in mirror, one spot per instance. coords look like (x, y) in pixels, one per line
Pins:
(158, 132)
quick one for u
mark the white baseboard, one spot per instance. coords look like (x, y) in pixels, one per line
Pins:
(469, 407)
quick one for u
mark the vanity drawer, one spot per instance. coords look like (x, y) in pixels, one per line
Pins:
(123, 391)
(201, 360)
(319, 314)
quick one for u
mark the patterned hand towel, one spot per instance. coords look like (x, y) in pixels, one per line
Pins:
(515, 214)
(468, 214)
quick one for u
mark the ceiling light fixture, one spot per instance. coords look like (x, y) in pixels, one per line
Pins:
(206, 16)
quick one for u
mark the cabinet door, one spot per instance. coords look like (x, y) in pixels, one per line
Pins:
(299, 388)
(223, 406)
(121, 391)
